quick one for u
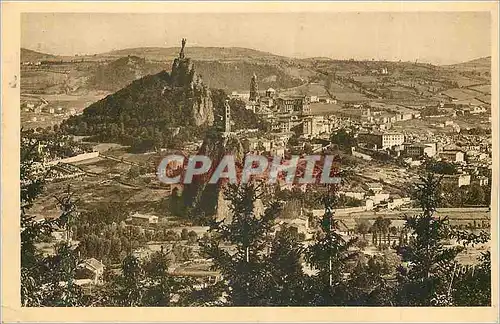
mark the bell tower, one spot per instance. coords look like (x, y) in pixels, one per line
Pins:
(254, 89)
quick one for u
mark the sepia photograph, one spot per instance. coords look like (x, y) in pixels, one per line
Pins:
(260, 158)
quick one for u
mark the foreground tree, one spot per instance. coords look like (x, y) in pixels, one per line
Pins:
(288, 286)
(329, 255)
(427, 279)
(244, 271)
(45, 280)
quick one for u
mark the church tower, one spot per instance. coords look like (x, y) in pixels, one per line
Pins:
(227, 117)
(254, 89)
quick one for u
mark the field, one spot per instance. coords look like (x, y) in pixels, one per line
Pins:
(485, 88)
(331, 108)
(309, 89)
(106, 181)
(344, 93)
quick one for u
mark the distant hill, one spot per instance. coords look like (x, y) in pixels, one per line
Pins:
(28, 55)
(483, 63)
(121, 72)
(237, 75)
(196, 54)
(229, 76)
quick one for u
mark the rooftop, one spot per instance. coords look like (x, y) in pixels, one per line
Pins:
(93, 263)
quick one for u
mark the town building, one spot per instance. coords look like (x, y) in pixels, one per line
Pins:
(315, 125)
(382, 140)
(296, 104)
(419, 150)
(270, 93)
(481, 181)
(457, 179)
(374, 186)
(142, 220)
(455, 156)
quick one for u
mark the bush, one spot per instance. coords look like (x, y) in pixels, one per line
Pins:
(192, 237)
(184, 234)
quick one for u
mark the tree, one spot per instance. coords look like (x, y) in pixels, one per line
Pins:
(476, 195)
(170, 235)
(368, 285)
(329, 254)
(161, 286)
(288, 283)
(45, 281)
(344, 140)
(428, 277)
(128, 289)
(472, 285)
(363, 227)
(441, 167)
(245, 272)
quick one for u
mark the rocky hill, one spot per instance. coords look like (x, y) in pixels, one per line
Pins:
(200, 197)
(143, 113)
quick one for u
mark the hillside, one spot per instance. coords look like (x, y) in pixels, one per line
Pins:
(480, 63)
(229, 69)
(121, 72)
(28, 55)
(229, 76)
(197, 54)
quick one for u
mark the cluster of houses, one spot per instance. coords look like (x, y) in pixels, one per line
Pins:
(42, 107)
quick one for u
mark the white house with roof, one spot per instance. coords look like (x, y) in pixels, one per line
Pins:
(90, 269)
(140, 219)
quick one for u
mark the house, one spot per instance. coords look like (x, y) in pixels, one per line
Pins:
(418, 150)
(374, 186)
(360, 155)
(353, 194)
(314, 99)
(139, 219)
(457, 179)
(452, 155)
(481, 180)
(380, 197)
(278, 151)
(270, 93)
(298, 225)
(90, 269)
(395, 202)
(315, 125)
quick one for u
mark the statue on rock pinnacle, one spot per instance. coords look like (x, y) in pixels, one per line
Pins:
(181, 53)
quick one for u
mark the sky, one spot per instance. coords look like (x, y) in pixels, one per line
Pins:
(434, 37)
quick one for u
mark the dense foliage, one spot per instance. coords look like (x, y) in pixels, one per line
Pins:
(260, 262)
